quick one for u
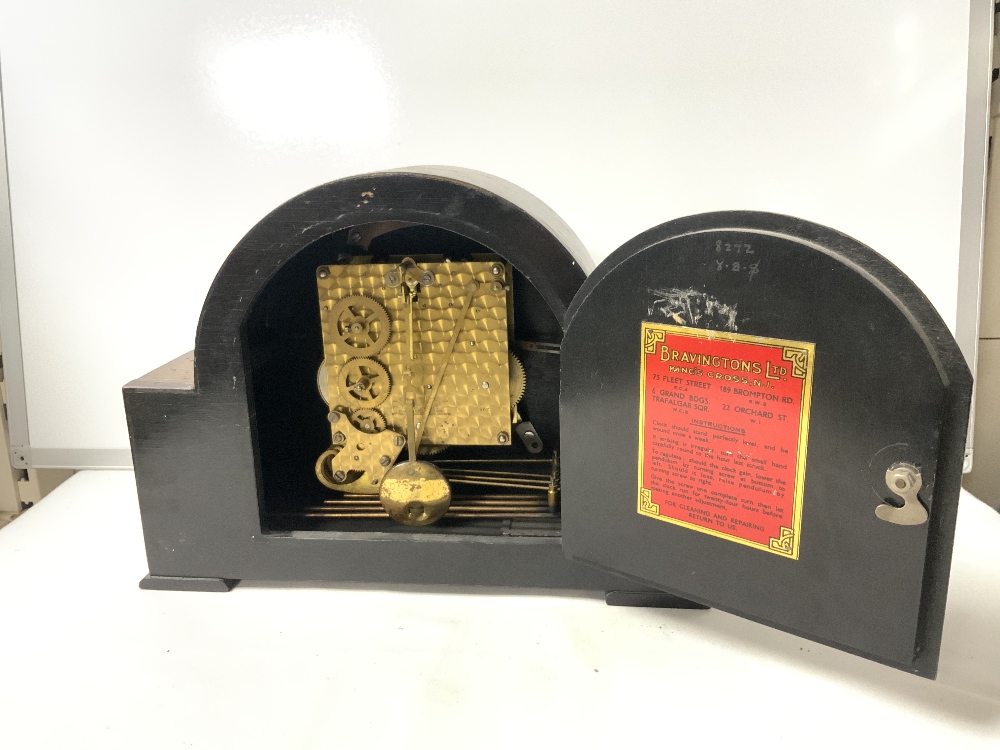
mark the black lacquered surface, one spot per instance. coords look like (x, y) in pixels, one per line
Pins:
(214, 455)
(889, 385)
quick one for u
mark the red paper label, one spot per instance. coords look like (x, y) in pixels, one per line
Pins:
(723, 430)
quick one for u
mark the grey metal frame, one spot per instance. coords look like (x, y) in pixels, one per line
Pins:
(980, 48)
(970, 252)
(10, 322)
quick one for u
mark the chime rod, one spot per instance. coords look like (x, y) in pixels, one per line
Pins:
(513, 485)
(494, 461)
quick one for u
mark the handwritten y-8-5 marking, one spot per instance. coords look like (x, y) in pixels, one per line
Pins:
(751, 269)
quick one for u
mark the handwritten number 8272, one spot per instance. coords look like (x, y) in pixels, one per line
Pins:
(733, 247)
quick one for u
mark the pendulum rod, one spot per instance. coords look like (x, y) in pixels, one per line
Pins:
(439, 375)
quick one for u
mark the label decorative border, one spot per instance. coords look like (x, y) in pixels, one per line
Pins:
(801, 356)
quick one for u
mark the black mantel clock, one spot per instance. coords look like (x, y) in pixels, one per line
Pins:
(407, 377)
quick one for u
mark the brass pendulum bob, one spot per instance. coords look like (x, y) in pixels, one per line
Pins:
(414, 492)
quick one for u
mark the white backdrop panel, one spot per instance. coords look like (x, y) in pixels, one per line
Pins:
(145, 138)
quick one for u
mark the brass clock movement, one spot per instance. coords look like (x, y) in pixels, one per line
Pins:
(418, 358)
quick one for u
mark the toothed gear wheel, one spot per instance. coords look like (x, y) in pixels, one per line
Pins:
(360, 325)
(364, 382)
(517, 379)
(368, 420)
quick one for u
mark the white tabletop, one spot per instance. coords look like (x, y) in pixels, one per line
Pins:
(89, 660)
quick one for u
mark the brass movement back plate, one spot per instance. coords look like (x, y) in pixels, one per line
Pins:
(471, 406)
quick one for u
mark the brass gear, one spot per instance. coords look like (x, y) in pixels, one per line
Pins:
(368, 420)
(323, 382)
(359, 325)
(364, 382)
(518, 381)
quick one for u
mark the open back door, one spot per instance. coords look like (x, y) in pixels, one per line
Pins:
(766, 416)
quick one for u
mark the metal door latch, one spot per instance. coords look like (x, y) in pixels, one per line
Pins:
(903, 480)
